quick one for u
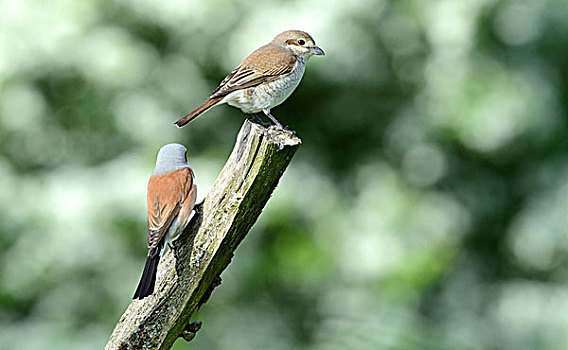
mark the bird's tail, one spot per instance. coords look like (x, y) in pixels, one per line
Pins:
(146, 285)
(148, 279)
(204, 107)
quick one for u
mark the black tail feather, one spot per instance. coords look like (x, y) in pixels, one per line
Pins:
(146, 285)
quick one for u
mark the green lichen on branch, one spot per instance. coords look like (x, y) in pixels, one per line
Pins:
(229, 210)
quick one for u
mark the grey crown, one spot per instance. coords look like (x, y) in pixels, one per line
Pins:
(171, 157)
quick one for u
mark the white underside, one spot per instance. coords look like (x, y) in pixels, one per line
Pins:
(267, 95)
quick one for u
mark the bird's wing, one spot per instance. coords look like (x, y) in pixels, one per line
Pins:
(166, 194)
(265, 64)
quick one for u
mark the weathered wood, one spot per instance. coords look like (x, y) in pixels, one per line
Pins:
(229, 210)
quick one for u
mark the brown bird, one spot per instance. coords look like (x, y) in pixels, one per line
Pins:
(266, 78)
(171, 196)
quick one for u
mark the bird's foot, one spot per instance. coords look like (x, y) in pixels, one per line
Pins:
(277, 125)
(293, 132)
(174, 250)
(281, 127)
(198, 207)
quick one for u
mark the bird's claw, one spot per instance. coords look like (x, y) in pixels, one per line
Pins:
(174, 251)
(198, 207)
(280, 127)
(293, 132)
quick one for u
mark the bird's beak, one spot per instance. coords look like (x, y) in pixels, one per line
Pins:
(316, 51)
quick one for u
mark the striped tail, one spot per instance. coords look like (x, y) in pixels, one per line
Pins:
(204, 107)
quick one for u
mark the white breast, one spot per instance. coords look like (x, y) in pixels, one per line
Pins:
(267, 95)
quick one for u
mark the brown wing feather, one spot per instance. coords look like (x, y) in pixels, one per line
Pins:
(267, 63)
(165, 196)
(264, 64)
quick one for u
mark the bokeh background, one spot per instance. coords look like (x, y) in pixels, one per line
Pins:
(426, 208)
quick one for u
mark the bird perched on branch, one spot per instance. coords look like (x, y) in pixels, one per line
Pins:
(171, 196)
(266, 78)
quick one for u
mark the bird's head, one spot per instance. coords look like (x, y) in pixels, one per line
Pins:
(171, 157)
(299, 42)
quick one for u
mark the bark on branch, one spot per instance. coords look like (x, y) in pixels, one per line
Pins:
(229, 210)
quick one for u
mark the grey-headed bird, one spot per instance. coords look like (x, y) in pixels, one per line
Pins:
(170, 196)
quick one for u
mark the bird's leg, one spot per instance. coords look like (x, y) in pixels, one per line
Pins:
(171, 246)
(276, 122)
(197, 207)
(256, 118)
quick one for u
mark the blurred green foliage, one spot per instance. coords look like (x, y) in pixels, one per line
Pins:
(426, 208)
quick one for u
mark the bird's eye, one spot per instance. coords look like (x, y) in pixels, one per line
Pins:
(301, 42)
